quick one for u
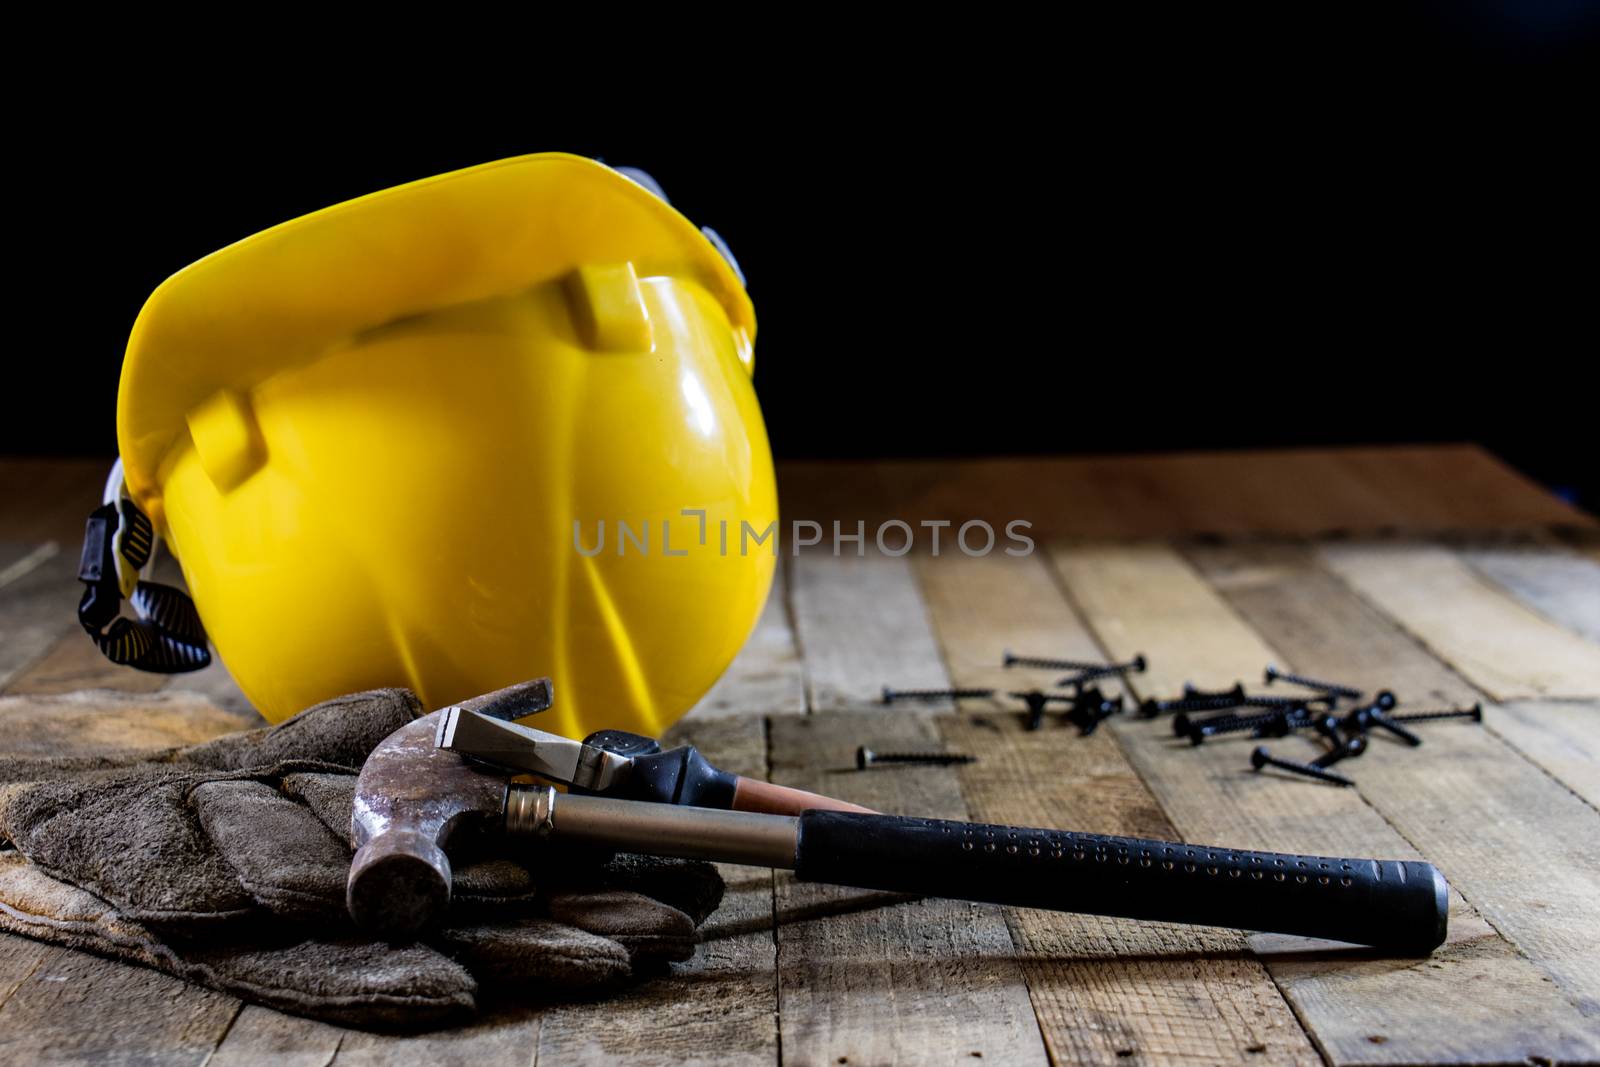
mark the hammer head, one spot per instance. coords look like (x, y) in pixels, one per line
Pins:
(410, 797)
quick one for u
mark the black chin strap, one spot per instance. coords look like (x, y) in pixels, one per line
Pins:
(168, 637)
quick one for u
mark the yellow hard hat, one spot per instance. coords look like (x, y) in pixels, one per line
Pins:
(385, 441)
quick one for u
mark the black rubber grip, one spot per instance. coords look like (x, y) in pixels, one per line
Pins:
(1396, 905)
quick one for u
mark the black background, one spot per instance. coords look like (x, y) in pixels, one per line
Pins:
(1367, 225)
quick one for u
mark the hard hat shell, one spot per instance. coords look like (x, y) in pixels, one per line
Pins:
(376, 438)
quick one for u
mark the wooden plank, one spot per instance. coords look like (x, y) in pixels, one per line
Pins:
(720, 1007)
(19, 958)
(1558, 583)
(19, 557)
(765, 677)
(51, 498)
(38, 604)
(862, 625)
(72, 662)
(1505, 834)
(1427, 488)
(1104, 990)
(261, 1035)
(1359, 1009)
(99, 723)
(1562, 738)
(1457, 487)
(79, 1009)
(825, 493)
(504, 1036)
(215, 685)
(1498, 644)
(866, 978)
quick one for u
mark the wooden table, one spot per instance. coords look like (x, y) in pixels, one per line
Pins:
(1435, 572)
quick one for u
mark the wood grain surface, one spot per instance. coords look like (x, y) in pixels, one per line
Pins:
(1433, 571)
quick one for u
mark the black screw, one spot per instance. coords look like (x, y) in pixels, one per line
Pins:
(1362, 719)
(1274, 723)
(1151, 708)
(1475, 713)
(1273, 674)
(1136, 665)
(1285, 721)
(1287, 702)
(1262, 758)
(1353, 747)
(1011, 659)
(1191, 693)
(1090, 709)
(1036, 702)
(1371, 716)
(891, 695)
(865, 758)
(1328, 727)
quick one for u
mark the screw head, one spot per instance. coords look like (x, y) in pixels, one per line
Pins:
(1385, 700)
(1180, 725)
(863, 758)
(1139, 663)
(1260, 757)
(1271, 674)
(1477, 712)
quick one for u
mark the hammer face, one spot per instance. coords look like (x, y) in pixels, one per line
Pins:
(399, 884)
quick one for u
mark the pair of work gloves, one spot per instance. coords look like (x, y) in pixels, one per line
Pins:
(225, 862)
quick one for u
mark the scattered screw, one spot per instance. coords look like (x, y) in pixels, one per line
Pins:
(1328, 727)
(891, 695)
(1475, 713)
(1262, 758)
(1011, 659)
(1191, 693)
(865, 758)
(1136, 665)
(1036, 702)
(1151, 708)
(1360, 720)
(1353, 747)
(1274, 723)
(1091, 708)
(1285, 721)
(1273, 674)
(1363, 718)
(1287, 702)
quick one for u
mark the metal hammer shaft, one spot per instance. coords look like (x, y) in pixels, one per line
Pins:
(655, 829)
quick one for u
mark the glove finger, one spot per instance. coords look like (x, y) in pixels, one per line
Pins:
(331, 798)
(341, 731)
(691, 886)
(282, 854)
(132, 841)
(356, 983)
(647, 928)
(491, 885)
(536, 951)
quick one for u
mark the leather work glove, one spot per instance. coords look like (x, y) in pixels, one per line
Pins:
(224, 863)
